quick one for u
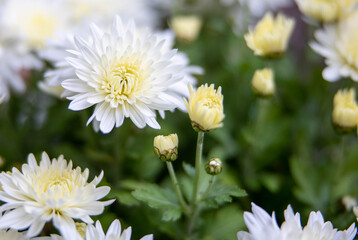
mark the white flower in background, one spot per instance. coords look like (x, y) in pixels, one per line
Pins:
(125, 73)
(259, 7)
(113, 233)
(34, 22)
(263, 226)
(103, 11)
(326, 10)
(14, 61)
(49, 191)
(338, 43)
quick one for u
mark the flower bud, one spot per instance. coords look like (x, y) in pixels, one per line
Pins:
(186, 28)
(349, 202)
(345, 110)
(270, 36)
(166, 147)
(263, 83)
(205, 108)
(214, 166)
(355, 211)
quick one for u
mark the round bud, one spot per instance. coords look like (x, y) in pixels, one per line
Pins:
(214, 166)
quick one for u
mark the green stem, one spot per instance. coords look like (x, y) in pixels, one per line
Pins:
(192, 221)
(199, 150)
(177, 188)
(211, 183)
(342, 157)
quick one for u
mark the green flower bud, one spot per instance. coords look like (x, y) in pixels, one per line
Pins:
(214, 166)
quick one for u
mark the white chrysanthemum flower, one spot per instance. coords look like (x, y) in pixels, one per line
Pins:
(339, 45)
(35, 21)
(113, 233)
(49, 191)
(259, 7)
(126, 73)
(12, 235)
(14, 60)
(103, 11)
(263, 226)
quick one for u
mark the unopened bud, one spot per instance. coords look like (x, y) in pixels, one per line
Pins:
(263, 83)
(166, 147)
(345, 110)
(186, 28)
(355, 211)
(349, 202)
(214, 166)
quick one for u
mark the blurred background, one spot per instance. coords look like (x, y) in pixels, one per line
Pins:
(281, 150)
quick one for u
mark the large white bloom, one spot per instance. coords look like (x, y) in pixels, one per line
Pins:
(49, 191)
(338, 43)
(35, 21)
(125, 72)
(263, 226)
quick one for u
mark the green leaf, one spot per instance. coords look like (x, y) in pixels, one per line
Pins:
(171, 214)
(190, 170)
(223, 224)
(222, 193)
(124, 197)
(158, 198)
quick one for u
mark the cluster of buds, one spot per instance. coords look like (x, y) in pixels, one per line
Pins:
(214, 166)
(345, 110)
(205, 108)
(166, 147)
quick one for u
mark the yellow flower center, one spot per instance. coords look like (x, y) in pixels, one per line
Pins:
(121, 81)
(58, 184)
(211, 102)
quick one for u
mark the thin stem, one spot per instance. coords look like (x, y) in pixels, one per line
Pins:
(199, 150)
(192, 221)
(211, 183)
(177, 187)
(341, 162)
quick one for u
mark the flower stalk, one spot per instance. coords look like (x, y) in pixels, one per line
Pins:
(198, 156)
(178, 192)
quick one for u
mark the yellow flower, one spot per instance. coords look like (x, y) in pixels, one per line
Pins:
(263, 82)
(166, 147)
(325, 10)
(345, 110)
(270, 36)
(186, 28)
(205, 108)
